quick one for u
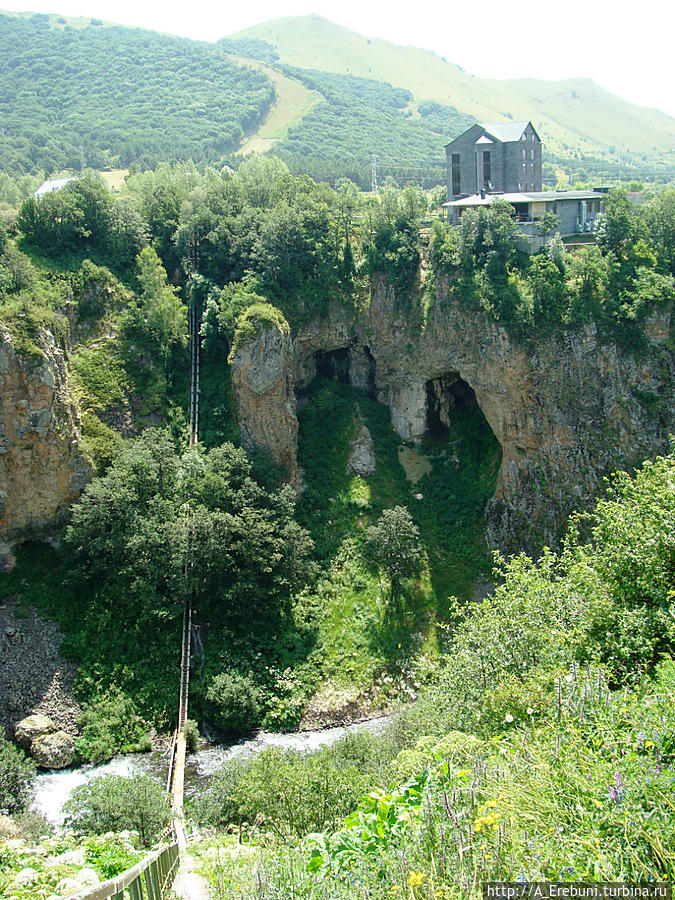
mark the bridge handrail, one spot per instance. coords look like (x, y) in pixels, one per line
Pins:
(158, 868)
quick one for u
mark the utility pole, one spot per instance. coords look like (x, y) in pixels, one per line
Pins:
(373, 170)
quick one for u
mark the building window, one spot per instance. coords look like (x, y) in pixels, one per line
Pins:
(532, 153)
(524, 154)
(487, 173)
(524, 137)
(455, 174)
(532, 136)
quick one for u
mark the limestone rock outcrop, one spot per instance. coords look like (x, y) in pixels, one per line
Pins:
(262, 377)
(53, 751)
(42, 470)
(32, 727)
(566, 409)
(362, 457)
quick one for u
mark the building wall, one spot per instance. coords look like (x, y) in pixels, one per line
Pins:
(522, 163)
(568, 213)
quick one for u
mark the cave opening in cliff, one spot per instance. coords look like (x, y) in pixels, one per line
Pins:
(447, 395)
(333, 364)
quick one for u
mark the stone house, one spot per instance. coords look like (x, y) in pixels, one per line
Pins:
(494, 157)
(491, 161)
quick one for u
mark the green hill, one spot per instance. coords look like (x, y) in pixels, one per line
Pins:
(574, 117)
(94, 95)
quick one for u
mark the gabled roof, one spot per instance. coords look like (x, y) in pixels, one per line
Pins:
(505, 131)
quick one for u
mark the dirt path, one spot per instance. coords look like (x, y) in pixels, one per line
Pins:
(189, 884)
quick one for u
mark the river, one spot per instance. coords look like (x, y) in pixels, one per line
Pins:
(55, 787)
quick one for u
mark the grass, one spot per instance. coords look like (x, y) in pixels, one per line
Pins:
(293, 101)
(114, 178)
(586, 792)
(337, 503)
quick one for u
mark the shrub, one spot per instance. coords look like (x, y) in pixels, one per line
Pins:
(17, 776)
(290, 791)
(109, 725)
(232, 702)
(114, 803)
(191, 735)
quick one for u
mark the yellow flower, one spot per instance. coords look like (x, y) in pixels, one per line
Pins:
(649, 745)
(415, 879)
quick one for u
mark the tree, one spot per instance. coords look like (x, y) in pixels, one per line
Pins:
(232, 702)
(157, 319)
(115, 803)
(131, 535)
(396, 546)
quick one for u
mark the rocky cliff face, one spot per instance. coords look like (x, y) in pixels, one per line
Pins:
(262, 378)
(41, 468)
(566, 410)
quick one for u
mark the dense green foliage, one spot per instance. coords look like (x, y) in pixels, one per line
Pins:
(17, 774)
(113, 803)
(616, 284)
(108, 725)
(83, 216)
(555, 772)
(132, 536)
(358, 117)
(294, 792)
(124, 96)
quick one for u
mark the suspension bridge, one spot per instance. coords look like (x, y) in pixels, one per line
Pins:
(170, 868)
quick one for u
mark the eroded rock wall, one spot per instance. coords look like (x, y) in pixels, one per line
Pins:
(566, 410)
(41, 468)
(263, 382)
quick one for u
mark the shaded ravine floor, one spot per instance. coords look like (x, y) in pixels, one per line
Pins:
(189, 884)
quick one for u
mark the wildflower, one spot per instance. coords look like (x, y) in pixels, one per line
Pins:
(649, 745)
(415, 879)
(508, 718)
(529, 710)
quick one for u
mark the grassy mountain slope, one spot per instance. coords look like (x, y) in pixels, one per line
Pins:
(572, 115)
(293, 102)
(108, 96)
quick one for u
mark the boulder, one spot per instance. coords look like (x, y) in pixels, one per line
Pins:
(7, 558)
(32, 727)
(362, 457)
(53, 751)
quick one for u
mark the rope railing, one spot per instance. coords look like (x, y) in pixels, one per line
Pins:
(150, 879)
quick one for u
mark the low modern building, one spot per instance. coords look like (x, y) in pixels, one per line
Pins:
(55, 184)
(575, 210)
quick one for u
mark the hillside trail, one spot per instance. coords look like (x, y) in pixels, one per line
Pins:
(189, 884)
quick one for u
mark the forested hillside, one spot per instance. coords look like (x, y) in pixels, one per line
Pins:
(361, 116)
(80, 93)
(108, 96)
